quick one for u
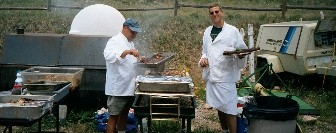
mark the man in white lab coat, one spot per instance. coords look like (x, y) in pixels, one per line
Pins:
(121, 55)
(222, 71)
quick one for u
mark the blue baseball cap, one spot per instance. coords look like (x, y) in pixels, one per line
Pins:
(132, 24)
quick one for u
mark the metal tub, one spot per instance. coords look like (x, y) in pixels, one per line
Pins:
(46, 86)
(57, 94)
(28, 112)
(37, 74)
(164, 84)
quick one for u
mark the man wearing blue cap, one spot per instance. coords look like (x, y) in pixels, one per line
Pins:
(121, 55)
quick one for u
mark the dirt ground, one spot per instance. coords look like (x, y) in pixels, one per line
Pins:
(205, 118)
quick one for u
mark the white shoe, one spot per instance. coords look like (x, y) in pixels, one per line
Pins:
(225, 131)
(207, 106)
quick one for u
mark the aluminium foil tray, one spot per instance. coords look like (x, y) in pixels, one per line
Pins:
(29, 111)
(164, 84)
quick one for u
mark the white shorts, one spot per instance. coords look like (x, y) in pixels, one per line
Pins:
(222, 96)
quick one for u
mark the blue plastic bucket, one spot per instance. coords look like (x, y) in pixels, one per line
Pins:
(241, 124)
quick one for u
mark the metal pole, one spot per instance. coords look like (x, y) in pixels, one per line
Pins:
(251, 56)
(48, 5)
(175, 8)
(284, 8)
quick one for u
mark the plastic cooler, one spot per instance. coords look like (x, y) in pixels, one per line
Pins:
(271, 114)
(47, 74)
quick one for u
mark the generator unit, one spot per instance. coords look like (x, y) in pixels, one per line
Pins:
(298, 47)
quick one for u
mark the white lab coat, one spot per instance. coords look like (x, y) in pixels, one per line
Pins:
(120, 73)
(223, 68)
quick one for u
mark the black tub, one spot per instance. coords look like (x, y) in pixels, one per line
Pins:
(272, 108)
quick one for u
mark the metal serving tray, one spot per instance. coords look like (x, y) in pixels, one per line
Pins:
(57, 94)
(30, 111)
(154, 64)
(36, 74)
(164, 84)
(46, 86)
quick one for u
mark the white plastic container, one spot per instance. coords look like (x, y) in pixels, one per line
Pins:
(62, 112)
(18, 79)
(17, 88)
(271, 126)
(144, 125)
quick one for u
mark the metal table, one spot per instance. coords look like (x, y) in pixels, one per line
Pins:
(164, 111)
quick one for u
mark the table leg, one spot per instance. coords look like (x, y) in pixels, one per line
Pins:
(149, 124)
(57, 118)
(188, 125)
(183, 123)
(10, 129)
(39, 125)
(141, 126)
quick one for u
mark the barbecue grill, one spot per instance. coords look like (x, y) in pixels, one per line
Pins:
(63, 50)
(41, 50)
(156, 61)
(164, 97)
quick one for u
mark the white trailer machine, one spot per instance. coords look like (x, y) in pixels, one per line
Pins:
(298, 47)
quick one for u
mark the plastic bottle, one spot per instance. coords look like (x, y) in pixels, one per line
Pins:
(144, 125)
(17, 88)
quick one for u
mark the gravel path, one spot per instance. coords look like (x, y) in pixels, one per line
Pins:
(206, 119)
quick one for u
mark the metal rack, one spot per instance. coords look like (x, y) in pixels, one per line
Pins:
(165, 111)
(176, 105)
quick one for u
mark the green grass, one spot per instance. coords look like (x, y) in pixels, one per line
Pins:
(169, 126)
(77, 121)
(324, 101)
(164, 32)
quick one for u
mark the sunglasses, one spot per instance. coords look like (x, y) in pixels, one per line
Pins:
(212, 13)
(133, 32)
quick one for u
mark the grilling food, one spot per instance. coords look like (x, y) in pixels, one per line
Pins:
(170, 72)
(154, 58)
(157, 56)
(143, 60)
(23, 101)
